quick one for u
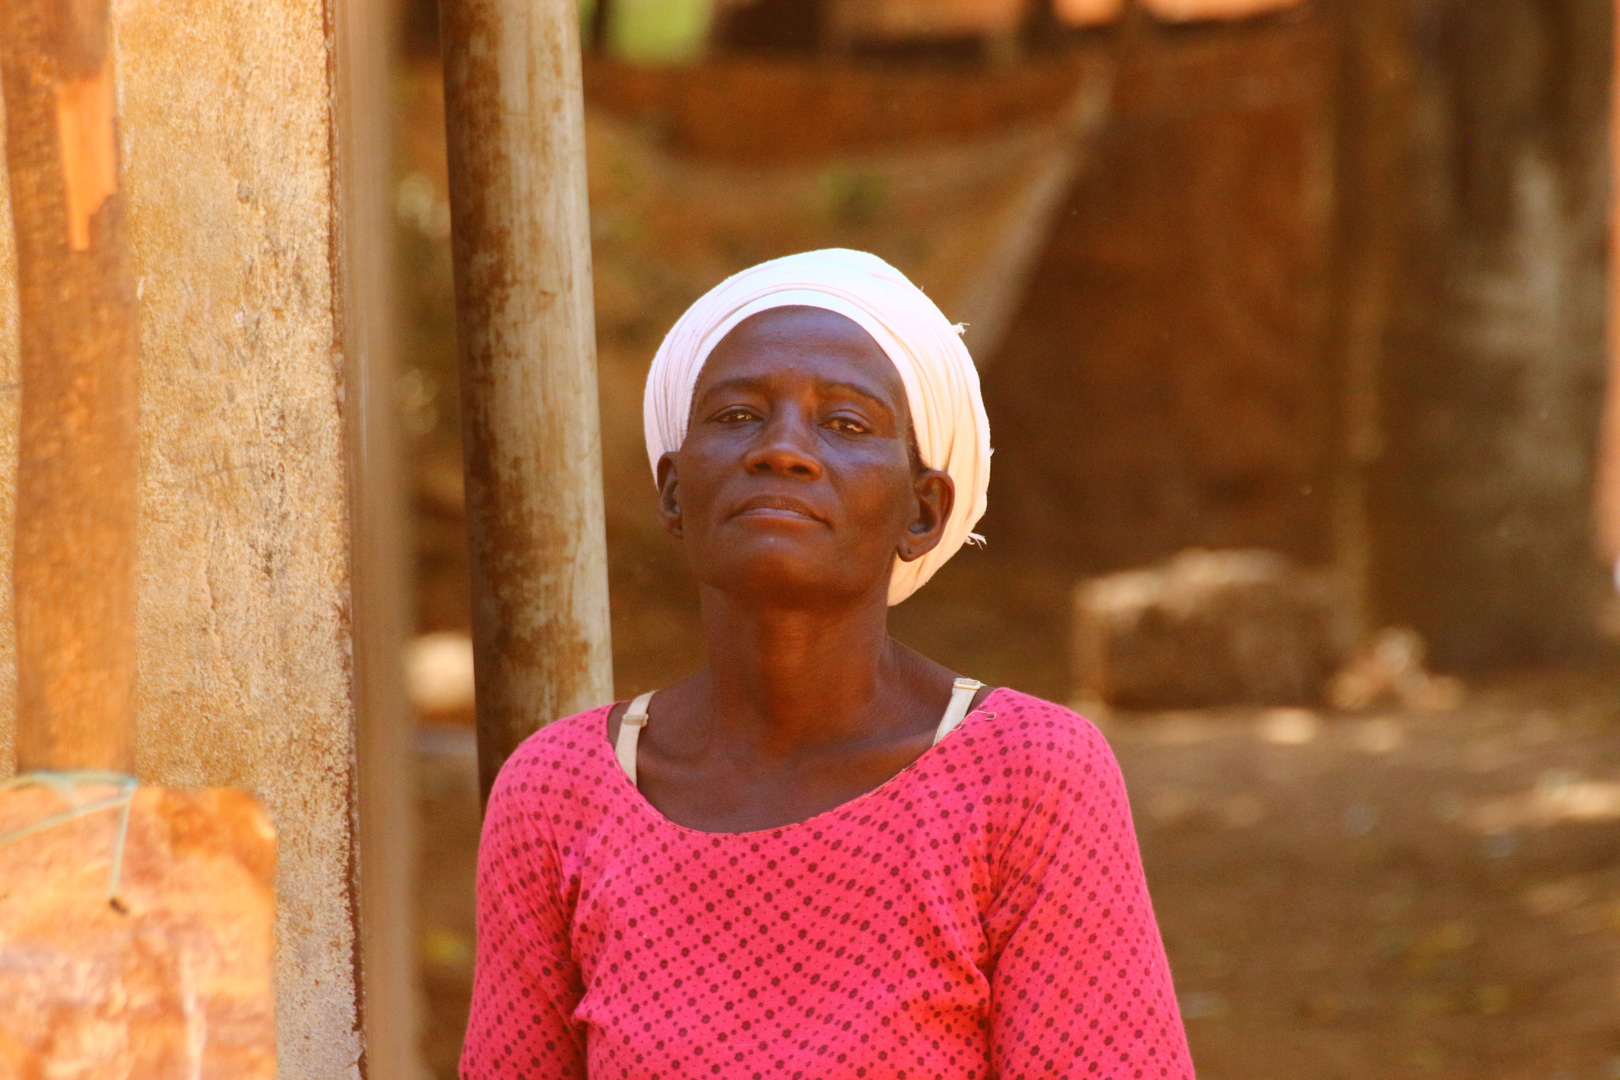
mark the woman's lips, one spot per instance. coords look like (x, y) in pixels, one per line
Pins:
(777, 506)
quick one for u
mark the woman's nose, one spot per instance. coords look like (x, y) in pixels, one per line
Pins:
(785, 445)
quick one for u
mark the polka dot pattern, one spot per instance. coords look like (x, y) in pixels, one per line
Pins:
(981, 915)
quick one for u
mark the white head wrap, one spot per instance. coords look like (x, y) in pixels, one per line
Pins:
(942, 385)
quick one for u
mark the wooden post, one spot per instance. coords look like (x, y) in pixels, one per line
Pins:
(1374, 83)
(526, 335)
(74, 575)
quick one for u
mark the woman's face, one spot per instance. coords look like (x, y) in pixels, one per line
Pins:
(796, 480)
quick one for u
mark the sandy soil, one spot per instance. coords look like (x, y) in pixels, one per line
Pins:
(1392, 895)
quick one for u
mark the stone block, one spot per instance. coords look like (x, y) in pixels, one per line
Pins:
(160, 972)
(1208, 628)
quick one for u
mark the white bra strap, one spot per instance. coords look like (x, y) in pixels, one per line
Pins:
(961, 698)
(635, 718)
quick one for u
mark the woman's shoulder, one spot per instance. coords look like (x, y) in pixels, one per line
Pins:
(1050, 767)
(558, 753)
(1032, 735)
(1024, 716)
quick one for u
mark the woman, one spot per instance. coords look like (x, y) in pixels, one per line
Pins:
(824, 855)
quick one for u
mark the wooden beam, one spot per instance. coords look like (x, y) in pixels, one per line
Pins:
(77, 475)
(379, 537)
(1372, 132)
(527, 341)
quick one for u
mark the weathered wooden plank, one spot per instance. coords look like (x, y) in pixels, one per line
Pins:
(379, 566)
(526, 337)
(74, 571)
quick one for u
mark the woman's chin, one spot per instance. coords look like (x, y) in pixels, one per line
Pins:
(782, 578)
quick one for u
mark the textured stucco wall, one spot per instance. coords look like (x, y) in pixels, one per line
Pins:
(1164, 384)
(246, 661)
(244, 638)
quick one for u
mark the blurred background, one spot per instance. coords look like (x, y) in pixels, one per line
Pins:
(1290, 318)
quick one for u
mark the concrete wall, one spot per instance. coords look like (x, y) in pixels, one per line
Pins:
(264, 661)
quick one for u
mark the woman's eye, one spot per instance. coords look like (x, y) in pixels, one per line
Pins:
(733, 415)
(846, 425)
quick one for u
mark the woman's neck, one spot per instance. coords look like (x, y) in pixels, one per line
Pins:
(788, 680)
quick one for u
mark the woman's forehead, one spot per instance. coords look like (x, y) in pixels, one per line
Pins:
(808, 341)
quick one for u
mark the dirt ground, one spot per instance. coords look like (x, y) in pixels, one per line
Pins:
(1395, 895)
(1391, 895)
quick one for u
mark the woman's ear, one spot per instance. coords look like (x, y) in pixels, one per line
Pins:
(936, 495)
(669, 496)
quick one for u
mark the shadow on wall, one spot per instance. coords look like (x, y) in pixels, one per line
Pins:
(1166, 383)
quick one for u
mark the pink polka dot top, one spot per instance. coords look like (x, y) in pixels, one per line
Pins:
(982, 914)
